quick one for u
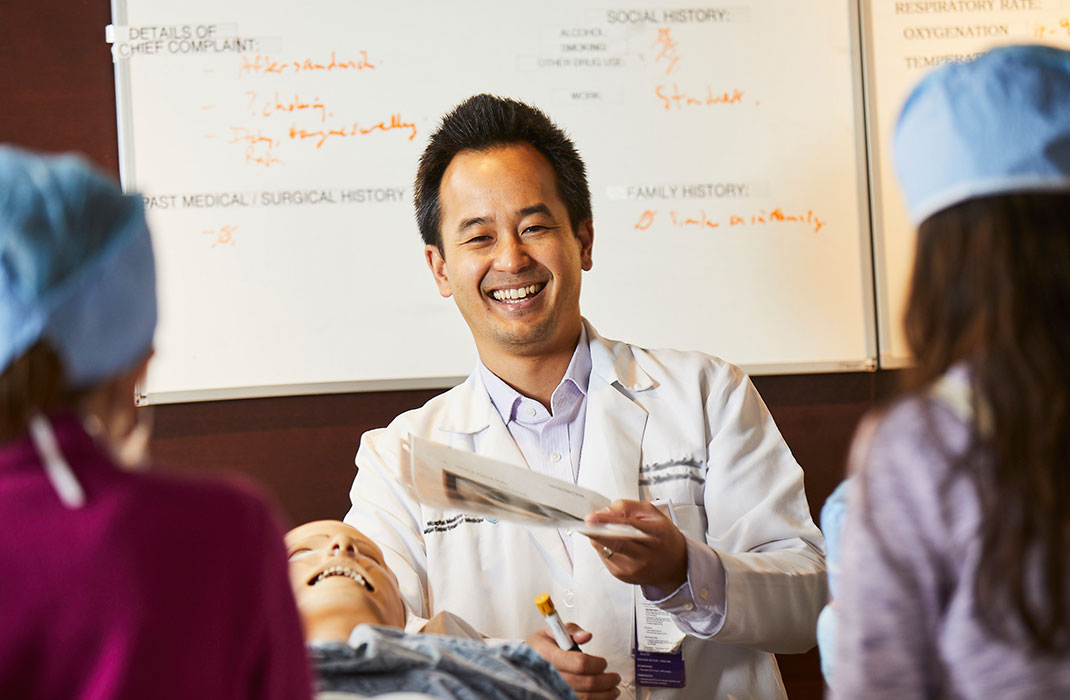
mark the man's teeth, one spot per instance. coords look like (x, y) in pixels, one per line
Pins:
(514, 294)
(342, 571)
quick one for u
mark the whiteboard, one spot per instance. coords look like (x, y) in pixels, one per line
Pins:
(905, 40)
(275, 146)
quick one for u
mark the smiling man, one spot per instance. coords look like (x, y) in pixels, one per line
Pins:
(734, 573)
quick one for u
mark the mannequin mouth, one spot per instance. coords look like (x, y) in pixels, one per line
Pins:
(518, 294)
(343, 571)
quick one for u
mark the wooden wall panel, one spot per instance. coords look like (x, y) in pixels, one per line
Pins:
(299, 448)
(56, 78)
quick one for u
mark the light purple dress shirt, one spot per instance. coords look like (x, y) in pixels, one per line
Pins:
(551, 442)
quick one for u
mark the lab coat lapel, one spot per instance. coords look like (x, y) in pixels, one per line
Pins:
(476, 426)
(613, 431)
(609, 464)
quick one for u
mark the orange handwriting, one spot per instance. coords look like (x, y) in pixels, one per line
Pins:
(265, 65)
(276, 105)
(224, 235)
(1042, 31)
(678, 220)
(701, 221)
(321, 135)
(258, 148)
(778, 215)
(645, 220)
(668, 49)
(682, 99)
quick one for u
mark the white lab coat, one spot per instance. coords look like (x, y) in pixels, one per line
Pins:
(660, 423)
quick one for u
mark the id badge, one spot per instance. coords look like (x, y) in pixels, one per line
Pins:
(659, 660)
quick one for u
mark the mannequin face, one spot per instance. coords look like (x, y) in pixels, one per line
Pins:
(340, 580)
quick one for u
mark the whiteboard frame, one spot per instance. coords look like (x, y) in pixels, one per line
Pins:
(864, 191)
(422, 383)
(864, 155)
(123, 107)
(883, 321)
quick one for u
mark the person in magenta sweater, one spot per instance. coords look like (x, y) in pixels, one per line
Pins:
(115, 584)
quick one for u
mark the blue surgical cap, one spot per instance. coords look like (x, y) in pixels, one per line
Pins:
(76, 267)
(997, 125)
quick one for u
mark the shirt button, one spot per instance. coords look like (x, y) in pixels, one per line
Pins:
(531, 412)
(568, 531)
(570, 598)
(555, 457)
(704, 593)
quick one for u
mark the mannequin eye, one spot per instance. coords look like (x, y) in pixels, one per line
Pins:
(303, 553)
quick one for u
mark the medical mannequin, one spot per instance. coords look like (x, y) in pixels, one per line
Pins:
(339, 581)
(353, 617)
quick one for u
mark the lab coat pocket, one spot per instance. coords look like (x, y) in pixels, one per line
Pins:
(680, 480)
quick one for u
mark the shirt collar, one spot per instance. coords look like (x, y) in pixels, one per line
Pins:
(505, 398)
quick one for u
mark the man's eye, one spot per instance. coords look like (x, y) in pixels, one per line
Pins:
(477, 240)
(536, 228)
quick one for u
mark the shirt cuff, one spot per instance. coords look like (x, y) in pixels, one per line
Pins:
(698, 605)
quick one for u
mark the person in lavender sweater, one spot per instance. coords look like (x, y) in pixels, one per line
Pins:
(115, 584)
(955, 578)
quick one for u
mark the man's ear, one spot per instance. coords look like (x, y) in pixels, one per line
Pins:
(437, 265)
(586, 235)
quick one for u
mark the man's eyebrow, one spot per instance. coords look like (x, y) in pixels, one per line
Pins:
(472, 222)
(539, 208)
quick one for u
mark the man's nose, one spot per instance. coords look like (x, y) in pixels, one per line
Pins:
(512, 254)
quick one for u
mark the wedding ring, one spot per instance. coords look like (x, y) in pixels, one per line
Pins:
(607, 552)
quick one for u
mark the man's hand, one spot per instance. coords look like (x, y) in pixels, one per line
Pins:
(585, 674)
(659, 560)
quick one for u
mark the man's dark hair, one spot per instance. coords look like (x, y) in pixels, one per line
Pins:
(481, 123)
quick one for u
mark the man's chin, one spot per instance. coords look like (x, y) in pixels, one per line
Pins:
(526, 343)
(537, 336)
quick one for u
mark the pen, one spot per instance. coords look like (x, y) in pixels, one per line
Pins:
(553, 621)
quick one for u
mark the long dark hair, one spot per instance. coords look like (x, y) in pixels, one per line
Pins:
(991, 288)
